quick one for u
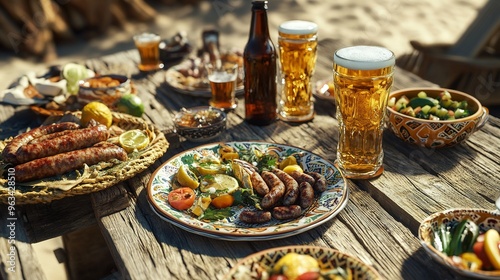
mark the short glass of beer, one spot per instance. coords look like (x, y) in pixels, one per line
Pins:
(223, 85)
(148, 45)
(298, 44)
(362, 76)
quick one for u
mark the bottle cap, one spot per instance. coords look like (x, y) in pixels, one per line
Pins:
(298, 27)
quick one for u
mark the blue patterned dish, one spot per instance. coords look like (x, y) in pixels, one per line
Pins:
(327, 206)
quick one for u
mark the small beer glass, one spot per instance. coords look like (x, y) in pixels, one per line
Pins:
(362, 77)
(148, 45)
(223, 85)
(297, 44)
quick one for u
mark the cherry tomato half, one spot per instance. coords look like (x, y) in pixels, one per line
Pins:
(181, 198)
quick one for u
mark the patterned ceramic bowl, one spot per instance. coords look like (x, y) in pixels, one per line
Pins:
(485, 219)
(252, 266)
(436, 134)
(199, 124)
(106, 89)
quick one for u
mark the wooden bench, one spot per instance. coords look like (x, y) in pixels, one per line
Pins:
(471, 65)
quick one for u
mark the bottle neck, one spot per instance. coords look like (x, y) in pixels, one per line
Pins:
(259, 25)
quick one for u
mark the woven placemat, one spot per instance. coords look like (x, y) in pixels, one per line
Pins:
(101, 179)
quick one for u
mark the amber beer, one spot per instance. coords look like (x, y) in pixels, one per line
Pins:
(297, 44)
(223, 87)
(363, 77)
(148, 45)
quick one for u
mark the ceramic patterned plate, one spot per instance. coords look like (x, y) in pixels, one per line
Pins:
(485, 219)
(249, 267)
(327, 206)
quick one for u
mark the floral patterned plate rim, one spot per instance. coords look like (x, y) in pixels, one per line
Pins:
(484, 218)
(327, 258)
(327, 206)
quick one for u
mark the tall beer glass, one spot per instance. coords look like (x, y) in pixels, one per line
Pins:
(363, 77)
(297, 42)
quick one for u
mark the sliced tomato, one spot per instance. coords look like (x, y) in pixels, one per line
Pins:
(181, 198)
(223, 201)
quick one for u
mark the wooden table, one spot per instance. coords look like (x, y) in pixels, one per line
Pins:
(378, 225)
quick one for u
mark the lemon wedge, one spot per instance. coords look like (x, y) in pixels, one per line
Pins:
(186, 177)
(289, 160)
(132, 140)
(293, 167)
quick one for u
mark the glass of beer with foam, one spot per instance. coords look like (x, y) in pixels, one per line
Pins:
(297, 44)
(223, 85)
(362, 77)
(148, 45)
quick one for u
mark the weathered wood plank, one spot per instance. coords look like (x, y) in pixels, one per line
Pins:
(18, 258)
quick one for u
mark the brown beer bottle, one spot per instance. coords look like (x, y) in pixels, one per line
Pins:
(259, 62)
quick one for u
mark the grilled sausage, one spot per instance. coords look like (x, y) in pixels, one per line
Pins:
(65, 162)
(306, 197)
(49, 136)
(287, 212)
(302, 177)
(276, 190)
(291, 187)
(76, 139)
(258, 184)
(255, 217)
(9, 152)
(320, 181)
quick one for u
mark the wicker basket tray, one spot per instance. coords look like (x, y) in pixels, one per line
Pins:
(100, 178)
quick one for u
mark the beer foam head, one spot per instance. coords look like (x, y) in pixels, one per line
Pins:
(146, 37)
(298, 27)
(364, 57)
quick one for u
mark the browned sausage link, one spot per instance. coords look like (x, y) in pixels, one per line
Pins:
(291, 187)
(302, 177)
(287, 212)
(258, 184)
(306, 197)
(77, 139)
(9, 152)
(49, 136)
(255, 217)
(276, 190)
(320, 184)
(65, 162)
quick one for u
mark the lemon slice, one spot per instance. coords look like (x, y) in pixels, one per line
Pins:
(186, 178)
(133, 140)
(220, 183)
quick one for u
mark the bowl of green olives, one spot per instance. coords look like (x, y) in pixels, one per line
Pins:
(434, 117)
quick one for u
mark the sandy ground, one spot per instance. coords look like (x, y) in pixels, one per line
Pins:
(392, 23)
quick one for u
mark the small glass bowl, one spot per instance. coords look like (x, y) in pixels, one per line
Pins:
(200, 124)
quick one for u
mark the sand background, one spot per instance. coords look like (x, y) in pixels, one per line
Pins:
(391, 23)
